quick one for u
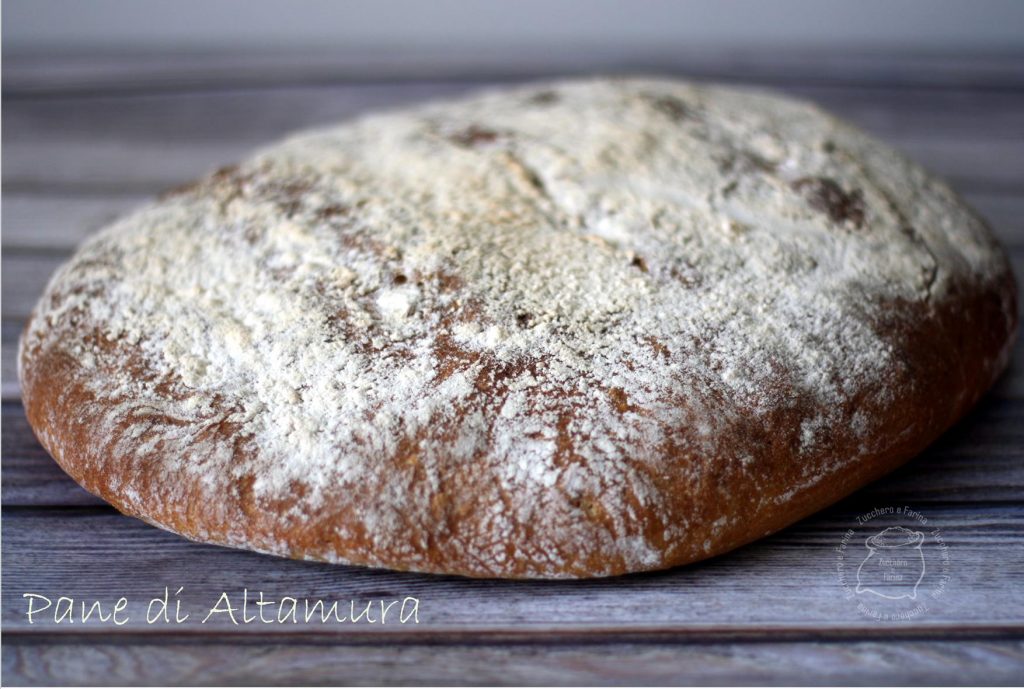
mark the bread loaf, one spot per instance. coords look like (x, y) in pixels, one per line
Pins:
(573, 329)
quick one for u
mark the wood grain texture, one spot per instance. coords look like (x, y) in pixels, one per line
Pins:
(783, 583)
(29, 475)
(89, 138)
(178, 662)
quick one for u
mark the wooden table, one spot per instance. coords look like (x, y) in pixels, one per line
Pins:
(87, 138)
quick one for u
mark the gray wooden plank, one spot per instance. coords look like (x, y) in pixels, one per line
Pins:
(10, 330)
(785, 583)
(921, 113)
(889, 662)
(248, 116)
(152, 72)
(112, 166)
(54, 222)
(148, 143)
(970, 165)
(24, 278)
(976, 462)
(29, 476)
(1005, 215)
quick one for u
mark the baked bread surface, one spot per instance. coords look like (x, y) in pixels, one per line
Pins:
(566, 330)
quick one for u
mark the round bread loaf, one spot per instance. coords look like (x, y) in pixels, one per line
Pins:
(568, 330)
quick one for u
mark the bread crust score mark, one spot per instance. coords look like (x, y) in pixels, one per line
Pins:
(569, 330)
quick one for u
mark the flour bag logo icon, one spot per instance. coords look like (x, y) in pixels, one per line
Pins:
(894, 566)
(907, 567)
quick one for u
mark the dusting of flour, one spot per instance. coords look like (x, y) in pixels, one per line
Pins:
(611, 246)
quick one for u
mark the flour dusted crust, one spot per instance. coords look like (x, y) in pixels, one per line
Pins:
(567, 330)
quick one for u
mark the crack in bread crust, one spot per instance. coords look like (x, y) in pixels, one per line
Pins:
(568, 330)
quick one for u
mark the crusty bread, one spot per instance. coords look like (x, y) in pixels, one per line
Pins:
(568, 330)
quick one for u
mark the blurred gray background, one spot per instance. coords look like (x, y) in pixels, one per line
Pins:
(60, 26)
